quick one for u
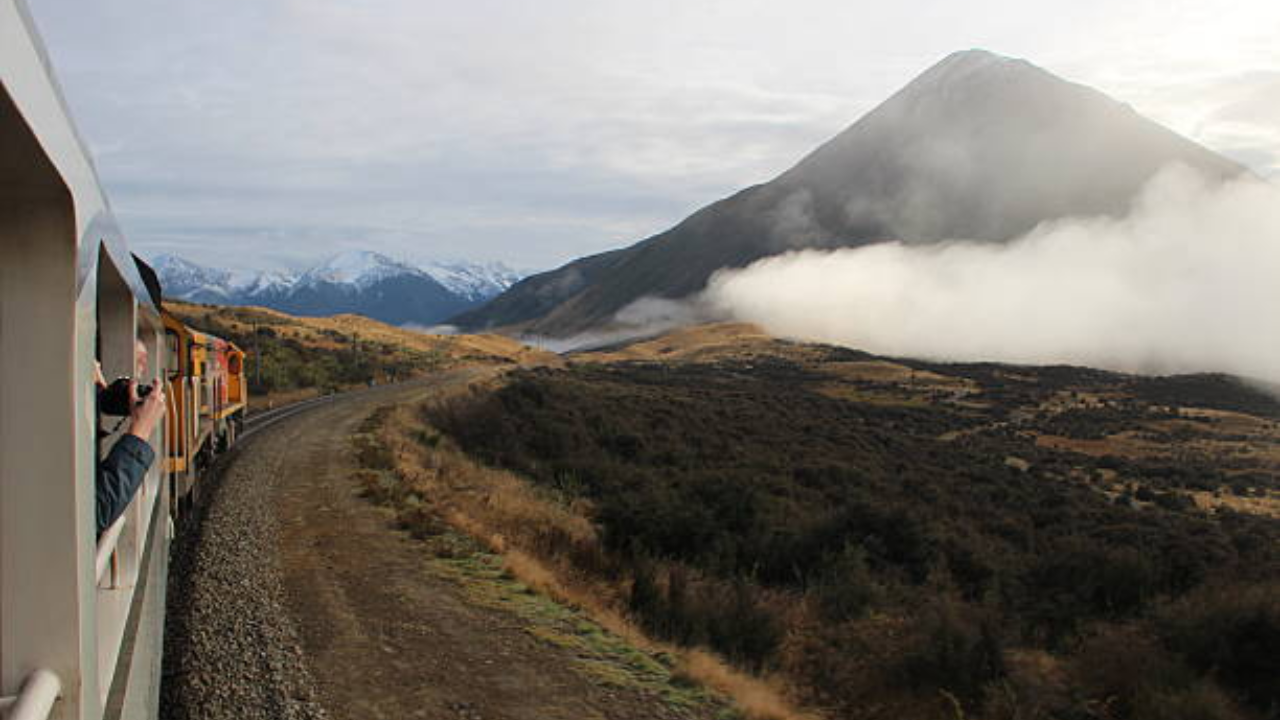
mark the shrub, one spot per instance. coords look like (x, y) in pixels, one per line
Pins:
(730, 492)
(1232, 633)
(1115, 663)
(846, 588)
(958, 649)
(1203, 700)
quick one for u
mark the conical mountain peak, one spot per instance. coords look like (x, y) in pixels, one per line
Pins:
(979, 147)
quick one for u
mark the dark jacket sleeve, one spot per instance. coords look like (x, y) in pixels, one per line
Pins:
(119, 477)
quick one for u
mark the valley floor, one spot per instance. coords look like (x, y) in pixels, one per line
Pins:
(302, 599)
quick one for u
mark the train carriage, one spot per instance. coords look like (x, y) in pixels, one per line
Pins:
(82, 613)
(208, 400)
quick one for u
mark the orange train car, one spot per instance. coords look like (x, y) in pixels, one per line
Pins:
(208, 400)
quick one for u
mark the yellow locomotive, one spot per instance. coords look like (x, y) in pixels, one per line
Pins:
(208, 399)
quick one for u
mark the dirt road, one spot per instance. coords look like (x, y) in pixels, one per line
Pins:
(318, 604)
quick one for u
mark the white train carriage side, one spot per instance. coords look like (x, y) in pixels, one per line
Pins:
(81, 618)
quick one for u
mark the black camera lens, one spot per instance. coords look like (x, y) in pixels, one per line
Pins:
(114, 398)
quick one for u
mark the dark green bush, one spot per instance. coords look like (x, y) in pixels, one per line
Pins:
(1232, 633)
(959, 650)
(721, 485)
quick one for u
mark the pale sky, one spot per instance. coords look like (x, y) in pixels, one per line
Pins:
(270, 133)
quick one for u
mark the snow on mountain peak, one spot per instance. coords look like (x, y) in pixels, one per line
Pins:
(267, 281)
(361, 268)
(474, 281)
(355, 273)
(179, 267)
(191, 280)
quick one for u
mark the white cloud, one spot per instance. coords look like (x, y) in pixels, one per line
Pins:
(1186, 282)
(439, 127)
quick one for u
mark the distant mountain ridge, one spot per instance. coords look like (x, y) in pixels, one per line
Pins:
(978, 147)
(361, 282)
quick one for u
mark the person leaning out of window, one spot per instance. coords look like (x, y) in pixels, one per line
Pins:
(123, 470)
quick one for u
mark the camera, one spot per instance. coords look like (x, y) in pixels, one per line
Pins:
(114, 399)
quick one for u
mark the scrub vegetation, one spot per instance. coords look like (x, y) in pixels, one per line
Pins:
(289, 357)
(889, 538)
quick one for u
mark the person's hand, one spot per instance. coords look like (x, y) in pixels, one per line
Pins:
(98, 378)
(144, 415)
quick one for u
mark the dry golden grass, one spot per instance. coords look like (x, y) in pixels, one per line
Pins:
(259, 402)
(1267, 505)
(1238, 435)
(1125, 444)
(700, 342)
(755, 698)
(743, 342)
(891, 397)
(320, 331)
(532, 528)
(533, 533)
(1217, 433)
(883, 382)
(891, 372)
(338, 332)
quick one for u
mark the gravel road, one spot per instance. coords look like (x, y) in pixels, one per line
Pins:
(297, 598)
(232, 649)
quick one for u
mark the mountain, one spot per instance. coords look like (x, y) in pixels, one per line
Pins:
(187, 280)
(359, 269)
(373, 285)
(979, 147)
(360, 282)
(477, 282)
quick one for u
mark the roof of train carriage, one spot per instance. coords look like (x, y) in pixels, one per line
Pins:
(202, 340)
(32, 101)
(150, 279)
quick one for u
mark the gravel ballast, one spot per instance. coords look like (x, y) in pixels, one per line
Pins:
(231, 649)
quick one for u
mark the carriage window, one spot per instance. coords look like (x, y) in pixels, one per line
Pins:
(171, 353)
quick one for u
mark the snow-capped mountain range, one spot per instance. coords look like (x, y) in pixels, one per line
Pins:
(358, 281)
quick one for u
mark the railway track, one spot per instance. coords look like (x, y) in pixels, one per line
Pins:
(259, 421)
(254, 423)
(300, 599)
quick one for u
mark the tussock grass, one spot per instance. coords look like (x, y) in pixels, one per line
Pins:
(532, 548)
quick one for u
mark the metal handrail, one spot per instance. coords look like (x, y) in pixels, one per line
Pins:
(35, 700)
(111, 537)
(107, 547)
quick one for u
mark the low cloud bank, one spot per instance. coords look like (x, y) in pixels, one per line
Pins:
(645, 318)
(430, 329)
(1188, 281)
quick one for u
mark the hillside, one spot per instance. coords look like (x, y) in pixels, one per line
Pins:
(303, 355)
(895, 538)
(978, 147)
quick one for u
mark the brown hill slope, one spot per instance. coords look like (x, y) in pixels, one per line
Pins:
(289, 357)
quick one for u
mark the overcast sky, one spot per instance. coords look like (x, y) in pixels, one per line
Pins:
(270, 133)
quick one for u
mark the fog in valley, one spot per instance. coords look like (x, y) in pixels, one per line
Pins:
(1188, 280)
